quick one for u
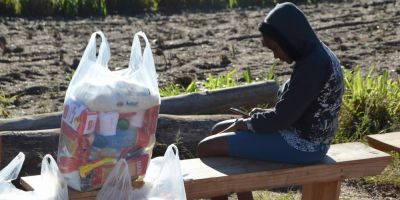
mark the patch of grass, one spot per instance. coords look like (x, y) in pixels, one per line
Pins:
(290, 195)
(69, 76)
(192, 87)
(103, 7)
(212, 83)
(371, 104)
(232, 3)
(271, 73)
(152, 4)
(4, 102)
(248, 78)
(171, 90)
(389, 176)
(221, 81)
(14, 5)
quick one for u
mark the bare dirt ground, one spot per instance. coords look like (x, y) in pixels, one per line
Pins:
(186, 46)
(40, 54)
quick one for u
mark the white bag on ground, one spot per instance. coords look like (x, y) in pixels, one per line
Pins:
(163, 180)
(50, 187)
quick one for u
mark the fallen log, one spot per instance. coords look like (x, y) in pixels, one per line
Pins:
(219, 101)
(184, 130)
(32, 122)
(209, 102)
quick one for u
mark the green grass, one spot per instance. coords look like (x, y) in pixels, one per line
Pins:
(232, 3)
(290, 195)
(4, 102)
(371, 104)
(391, 174)
(104, 7)
(221, 81)
(171, 90)
(13, 5)
(211, 83)
(54, 7)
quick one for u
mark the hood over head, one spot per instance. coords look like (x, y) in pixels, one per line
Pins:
(289, 27)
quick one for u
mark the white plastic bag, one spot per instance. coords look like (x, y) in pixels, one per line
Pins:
(50, 187)
(118, 183)
(108, 115)
(163, 180)
(128, 90)
(8, 174)
(165, 175)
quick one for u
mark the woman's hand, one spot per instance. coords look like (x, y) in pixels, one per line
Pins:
(239, 124)
(257, 110)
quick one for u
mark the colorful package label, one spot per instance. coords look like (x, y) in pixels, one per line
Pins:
(74, 145)
(149, 126)
(79, 118)
(97, 176)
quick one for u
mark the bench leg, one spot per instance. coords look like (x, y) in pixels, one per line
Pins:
(321, 191)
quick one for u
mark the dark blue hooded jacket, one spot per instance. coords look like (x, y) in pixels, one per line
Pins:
(311, 99)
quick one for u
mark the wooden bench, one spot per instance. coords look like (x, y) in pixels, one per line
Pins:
(211, 177)
(385, 142)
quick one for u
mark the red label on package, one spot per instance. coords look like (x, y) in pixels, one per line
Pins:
(97, 177)
(79, 118)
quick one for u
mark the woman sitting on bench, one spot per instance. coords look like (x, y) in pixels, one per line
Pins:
(301, 126)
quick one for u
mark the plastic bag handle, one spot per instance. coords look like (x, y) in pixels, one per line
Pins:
(50, 167)
(172, 152)
(104, 50)
(137, 60)
(136, 57)
(118, 184)
(11, 171)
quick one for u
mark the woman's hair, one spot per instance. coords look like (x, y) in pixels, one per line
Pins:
(267, 30)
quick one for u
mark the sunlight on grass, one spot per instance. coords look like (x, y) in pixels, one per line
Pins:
(171, 90)
(4, 102)
(371, 104)
(264, 195)
(391, 174)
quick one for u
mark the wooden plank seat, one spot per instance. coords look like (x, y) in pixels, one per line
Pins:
(385, 142)
(209, 177)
